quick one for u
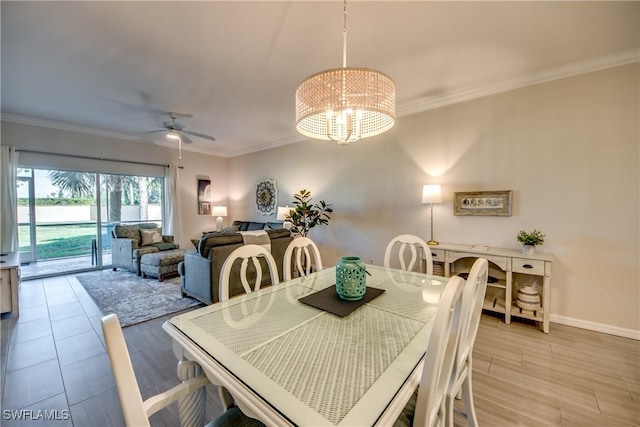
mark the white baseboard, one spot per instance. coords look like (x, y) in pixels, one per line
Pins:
(597, 327)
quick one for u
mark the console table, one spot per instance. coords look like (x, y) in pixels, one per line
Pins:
(9, 280)
(511, 268)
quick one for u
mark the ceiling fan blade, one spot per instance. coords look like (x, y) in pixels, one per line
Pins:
(153, 131)
(199, 135)
(185, 139)
(175, 115)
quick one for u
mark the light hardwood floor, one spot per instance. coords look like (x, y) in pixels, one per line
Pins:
(53, 358)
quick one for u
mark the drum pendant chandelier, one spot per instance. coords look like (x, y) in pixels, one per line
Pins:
(345, 104)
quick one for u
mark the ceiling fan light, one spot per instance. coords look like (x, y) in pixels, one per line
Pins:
(173, 135)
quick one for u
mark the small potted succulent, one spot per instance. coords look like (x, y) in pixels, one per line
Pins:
(530, 240)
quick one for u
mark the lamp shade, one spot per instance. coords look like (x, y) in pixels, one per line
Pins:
(431, 193)
(345, 104)
(219, 211)
(283, 212)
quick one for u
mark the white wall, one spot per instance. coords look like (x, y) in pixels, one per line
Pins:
(568, 149)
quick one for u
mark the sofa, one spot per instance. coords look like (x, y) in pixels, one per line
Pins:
(200, 271)
(250, 226)
(129, 242)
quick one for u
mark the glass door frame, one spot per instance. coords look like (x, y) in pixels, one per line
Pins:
(26, 257)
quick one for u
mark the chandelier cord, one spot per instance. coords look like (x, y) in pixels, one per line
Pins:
(345, 104)
(344, 37)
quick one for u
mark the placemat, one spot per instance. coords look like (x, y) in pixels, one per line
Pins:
(328, 300)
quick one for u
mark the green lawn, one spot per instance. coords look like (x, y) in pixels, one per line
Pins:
(57, 241)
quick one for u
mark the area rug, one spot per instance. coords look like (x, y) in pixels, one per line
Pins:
(133, 298)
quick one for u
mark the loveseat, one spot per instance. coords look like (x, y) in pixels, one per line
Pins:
(200, 271)
(130, 241)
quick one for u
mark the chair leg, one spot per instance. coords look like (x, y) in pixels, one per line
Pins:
(467, 398)
(449, 402)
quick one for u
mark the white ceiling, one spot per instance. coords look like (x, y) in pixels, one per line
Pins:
(113, 67)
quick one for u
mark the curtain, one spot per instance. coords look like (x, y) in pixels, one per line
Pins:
(9, 197)
(173, 214)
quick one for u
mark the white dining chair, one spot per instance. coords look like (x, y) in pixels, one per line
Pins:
(398, 248)
(304, 252)
(427, 407)
(137, 411)
(246, 253)
(472, 301)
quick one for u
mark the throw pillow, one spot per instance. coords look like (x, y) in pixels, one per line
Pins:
(165, 246)
(231, 229)
(151, 236)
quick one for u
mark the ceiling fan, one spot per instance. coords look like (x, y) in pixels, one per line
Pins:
(177, 131)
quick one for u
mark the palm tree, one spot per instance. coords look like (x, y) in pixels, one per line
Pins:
(143, 196)
(76, 184)
(115, 184)
(79, 184)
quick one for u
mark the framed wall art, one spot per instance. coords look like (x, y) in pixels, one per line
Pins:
(482, 203)
(266, 196)
(204, 196)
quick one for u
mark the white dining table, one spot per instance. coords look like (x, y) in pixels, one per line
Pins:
(288, 363)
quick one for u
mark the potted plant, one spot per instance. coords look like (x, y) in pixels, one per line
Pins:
(305, 215)
(530, 240)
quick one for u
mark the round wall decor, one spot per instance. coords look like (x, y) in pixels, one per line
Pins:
(266, 196)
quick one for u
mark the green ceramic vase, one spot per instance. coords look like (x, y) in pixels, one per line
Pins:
(351, 283)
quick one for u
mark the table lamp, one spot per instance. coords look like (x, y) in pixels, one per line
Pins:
(219, 212)
(431, 193)
(283, 213)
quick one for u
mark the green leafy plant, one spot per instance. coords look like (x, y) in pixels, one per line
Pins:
(535, 238)
(305, 215)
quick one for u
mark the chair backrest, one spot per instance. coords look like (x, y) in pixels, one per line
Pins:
(301, 248)
(439, 359)
(136, 411)
(246, 253)
(472, 301)
(128, 389)
(408, 242)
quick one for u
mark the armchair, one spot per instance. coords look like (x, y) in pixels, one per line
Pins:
(129, 242)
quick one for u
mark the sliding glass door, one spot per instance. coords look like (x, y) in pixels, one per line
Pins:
(66, 217)
(127, 199)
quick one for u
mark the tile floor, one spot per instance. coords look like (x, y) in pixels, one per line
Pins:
(57, 266)
(53, 358)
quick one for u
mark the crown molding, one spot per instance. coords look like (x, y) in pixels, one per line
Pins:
(52, 124)
(570, 70)
(268, 145)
